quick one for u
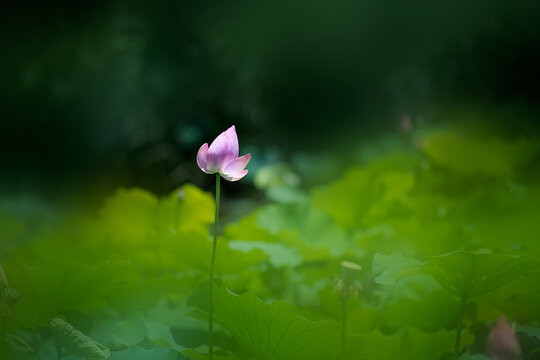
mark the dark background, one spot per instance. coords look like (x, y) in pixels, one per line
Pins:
(101, 94)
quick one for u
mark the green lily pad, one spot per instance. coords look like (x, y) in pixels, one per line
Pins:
(386, 268)
(469, 274)
(269, 331)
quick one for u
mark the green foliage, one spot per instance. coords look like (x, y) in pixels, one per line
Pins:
(137, 327)
(426, 229)
(268, 331)
(407, 345)
(367, 195)
(386, 268)
(478, 156)
(468, 356)
(468, 274)
(140, 353)
(76, 342)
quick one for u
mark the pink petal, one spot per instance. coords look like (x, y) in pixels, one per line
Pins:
(202, 157)
(235, 177)
(222, 150)
(236, 165)
(503, 342)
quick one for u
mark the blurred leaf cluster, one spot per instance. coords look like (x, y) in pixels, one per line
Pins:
(453, 216)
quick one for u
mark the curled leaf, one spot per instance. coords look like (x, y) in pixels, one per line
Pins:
(77, 342)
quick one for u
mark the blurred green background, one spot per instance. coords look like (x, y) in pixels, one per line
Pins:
(402, 136)
(107, 93)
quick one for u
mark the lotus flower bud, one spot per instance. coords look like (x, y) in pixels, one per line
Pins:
(222, 157)
(502, 342)
(349, 271)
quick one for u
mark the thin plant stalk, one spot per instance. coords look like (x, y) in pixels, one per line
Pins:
(211, 286)
(459, 327)
(343, 322)
(58, 347)
(4, 337)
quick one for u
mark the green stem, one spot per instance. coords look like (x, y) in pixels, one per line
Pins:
(459, 327)
(58, 347)
(4, 337)
(343, 322)
(211, 287)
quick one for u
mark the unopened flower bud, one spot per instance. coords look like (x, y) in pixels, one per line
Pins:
(349, 271)
(222, 157)
(502, 342)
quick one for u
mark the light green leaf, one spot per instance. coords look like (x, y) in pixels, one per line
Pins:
(269, 331)
(469, 274)
(424, 313)
(57, 285)
(316, 230)
(131, 331)
(136, 327)
(286, 194)
(478, 155)
(366, 196)
(530, 330)
(279, 255)
(410, 344)
(468, 356)
(195, 355)
(140, 353)
(386, 268)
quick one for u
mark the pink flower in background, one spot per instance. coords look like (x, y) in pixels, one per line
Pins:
(502, 343)
(222, 157)
(406, 124)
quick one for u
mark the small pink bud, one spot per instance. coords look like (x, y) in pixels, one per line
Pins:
(222, 157)
(502, 342)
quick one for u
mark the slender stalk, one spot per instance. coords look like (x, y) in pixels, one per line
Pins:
(211, 286)
(343, 322)
(58, 347)
(4, 337)
(459, 327)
